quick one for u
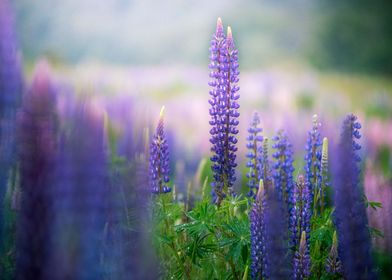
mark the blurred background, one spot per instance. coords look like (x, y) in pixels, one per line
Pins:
(297, 58)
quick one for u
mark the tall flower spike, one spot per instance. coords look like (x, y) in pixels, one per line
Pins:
(350, 213)
(223, 111)
(313, 160)
(11, 87)
(300, 214)
(283, 168)
(302, 259)
(159, 160)
(333, 264)
(37, 129)
(254, 155)
(276, 260)
(257, 233)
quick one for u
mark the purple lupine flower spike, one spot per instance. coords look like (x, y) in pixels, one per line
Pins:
(224, 111)
(254, 155)
(283, 169)
(36, 137)
(302, 259)
(350, 213)
(257, 233)
(81, 198)
(313, 156)
(333, 264)
(159, 160)
(301, 213)
(11, 87)
(276, 261)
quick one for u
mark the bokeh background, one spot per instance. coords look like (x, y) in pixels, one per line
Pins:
(297, 58)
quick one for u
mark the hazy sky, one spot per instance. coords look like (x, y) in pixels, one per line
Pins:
(151, 31)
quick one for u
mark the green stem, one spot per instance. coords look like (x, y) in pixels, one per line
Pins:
(172, 245)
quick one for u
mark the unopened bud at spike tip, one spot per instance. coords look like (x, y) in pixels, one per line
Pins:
(302, 243)
(162, 112)
(229, 33)
(260, 190)
(219, 26)
(325, 146)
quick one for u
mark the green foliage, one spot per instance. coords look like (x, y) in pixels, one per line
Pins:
(354, 36)
(320, 243)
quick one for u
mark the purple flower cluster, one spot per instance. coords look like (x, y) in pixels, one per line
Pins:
(283, 169)
(301, 213)
(223, 111)
(80, 198)
(302, 259)
(254, 155)
(257, 232)
(11, 87)
(37, 149)
(350, 212)
(159, 160)
(276, 261)
(313, 156)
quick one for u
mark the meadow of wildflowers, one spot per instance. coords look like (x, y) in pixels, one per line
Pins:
(95, 184)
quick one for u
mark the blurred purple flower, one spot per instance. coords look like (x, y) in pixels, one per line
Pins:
(37, 146)
(254, 155)
(11, 87)
(81, 199)
(224, 111)
(159, 160)
(350, 214)
(276, 262)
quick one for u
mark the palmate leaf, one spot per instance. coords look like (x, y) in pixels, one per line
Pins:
(236, 237)
(202, 220)
(199, 248)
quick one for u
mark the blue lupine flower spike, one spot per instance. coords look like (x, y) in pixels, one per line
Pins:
(223, 111)
(283, 169)
(313, 160)
(255, 149)
(159, 160)
(257, 227)
(354, 248)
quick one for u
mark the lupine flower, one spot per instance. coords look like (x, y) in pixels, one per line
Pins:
(37, 147)
(254, 155)
(350, 213)
(333, 264)
(159, 160)
(313, 159)
(11, 87)
(302, 259)
(257, 233)
(224, 111)
(276, 260)
(283, 169)
(81, 199)
(301, 213)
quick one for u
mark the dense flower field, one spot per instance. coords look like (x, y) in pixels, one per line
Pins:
(94, 184)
